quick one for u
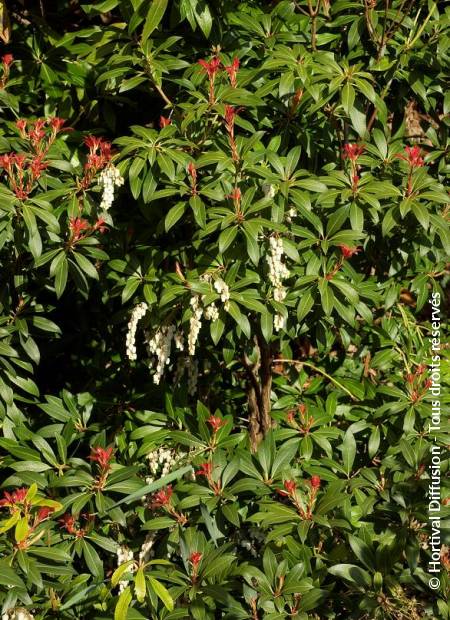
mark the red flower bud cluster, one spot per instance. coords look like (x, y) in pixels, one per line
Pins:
(98, 158)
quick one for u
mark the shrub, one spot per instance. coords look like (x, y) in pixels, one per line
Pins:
(215, 385)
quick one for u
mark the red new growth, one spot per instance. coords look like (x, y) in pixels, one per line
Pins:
(236, 195)
(43, 513)
(12, 499)
(7, 59)
(289, 486)
(68, 523)
(315, 482)
(413, 156)
(56, 123)
(163, 121)
(352, 151)
(347, 251)
(211, 67)
(162, 497)
(21, 125)
(102, 457)
(196, 557)
(76, 226)
(205, 470)
(99, 152)
(232, 72)
(192, 172)
(216, 423)
(230, 113)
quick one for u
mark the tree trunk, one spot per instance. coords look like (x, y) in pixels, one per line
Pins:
(259, 386)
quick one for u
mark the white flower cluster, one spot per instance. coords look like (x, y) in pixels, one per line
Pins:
(291, 214)
(146, 551)
(279, 322)
(161, 462)
(212, 312)
(224, 292)
(277, 269)
(124, 554)
(195, 324)
(19, 613)
(137, 314)
(160, 346)
(110, 177)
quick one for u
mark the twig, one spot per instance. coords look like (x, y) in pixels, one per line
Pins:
(319, 370)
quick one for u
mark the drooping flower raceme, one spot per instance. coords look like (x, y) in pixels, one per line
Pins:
(195, 324)
(279, 322)
(124, 554)
(109, 178)
(277, 269)
(224, 292)
(137, 314)
(160, 345)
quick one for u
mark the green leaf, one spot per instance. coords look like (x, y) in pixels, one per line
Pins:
(121, 610)
(154, 16)
(267, 325)
(348, 97)
(161, 592)
(362, 552)
(61, 271)
(352, 573)
(120, 571)
(326, 296)
(139, 585)
(174, 215)
(85, 265)
(348, 451)
(227, 237)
